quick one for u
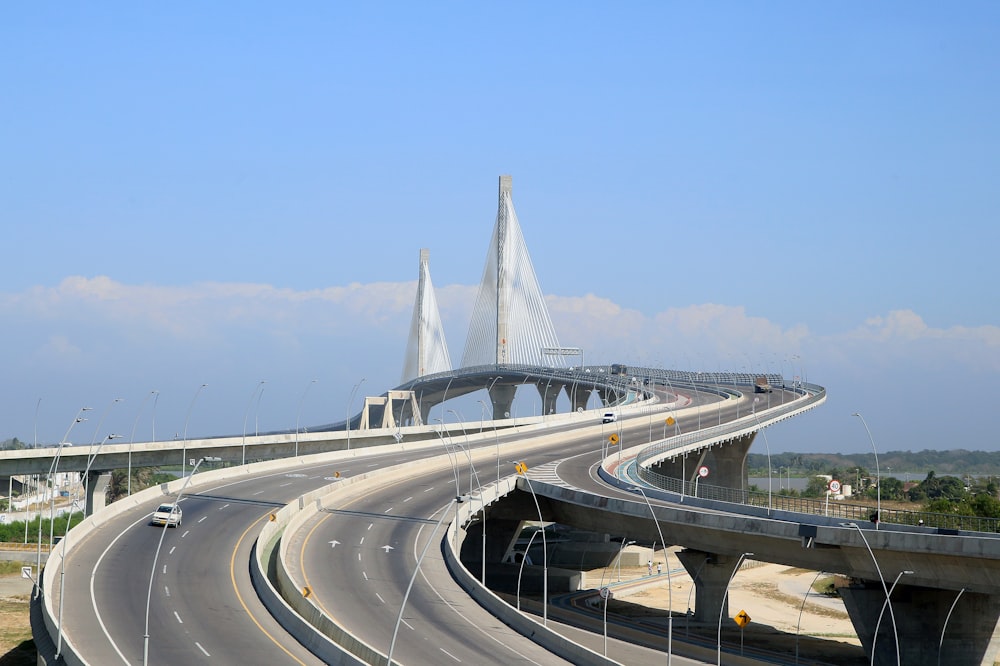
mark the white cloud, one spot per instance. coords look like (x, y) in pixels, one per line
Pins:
(138, 336)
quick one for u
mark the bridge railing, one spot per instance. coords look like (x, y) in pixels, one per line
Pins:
(813, 395)
(821, 507)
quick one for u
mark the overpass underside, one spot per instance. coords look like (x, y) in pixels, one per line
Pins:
(950, 591)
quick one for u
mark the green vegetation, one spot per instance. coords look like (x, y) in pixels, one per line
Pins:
(14, 532)
(975, 494)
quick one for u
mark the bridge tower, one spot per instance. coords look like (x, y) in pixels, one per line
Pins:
(426, 348)
(510, 321)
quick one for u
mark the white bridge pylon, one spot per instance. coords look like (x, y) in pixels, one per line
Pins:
(510, 321)
(426, 348)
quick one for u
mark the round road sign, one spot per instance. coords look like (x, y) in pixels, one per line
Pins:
(834, 486)
(703, 471)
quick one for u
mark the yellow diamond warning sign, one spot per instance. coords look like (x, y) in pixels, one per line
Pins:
(742, 619)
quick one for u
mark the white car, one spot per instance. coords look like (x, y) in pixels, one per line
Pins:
(168, 515)
(609, 417)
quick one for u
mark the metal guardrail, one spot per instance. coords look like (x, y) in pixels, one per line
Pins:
(821, 507)
(814, 395)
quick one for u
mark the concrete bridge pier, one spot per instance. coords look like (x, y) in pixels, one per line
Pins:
(711, 573)
(502, 397)
(970, 637)
(549, 392)
(579, 397)
(97, 485)
(727, 463)
(683, 467)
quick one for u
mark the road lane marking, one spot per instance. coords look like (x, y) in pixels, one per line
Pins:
(202, 649)
(387, 510)
(370, 526)
(179, 620)
(407, 499)
(239, 597)
(362, 542)
(93, 576)
(186, 532)
(365, 574)
(380, 597)
(171, 551)
(451, 655)
(202, 519)
(166, 590)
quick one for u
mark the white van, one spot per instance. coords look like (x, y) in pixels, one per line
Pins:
(609, 417)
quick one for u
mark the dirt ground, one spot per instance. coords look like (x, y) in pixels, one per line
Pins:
(772, 595)
(16, 647)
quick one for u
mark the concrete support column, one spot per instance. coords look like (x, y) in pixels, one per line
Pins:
(580, 396)
(502, 397)
(920, 614)
(727, 463)
(683, 468)
(549, 392)
(710, 573)
(97, 485)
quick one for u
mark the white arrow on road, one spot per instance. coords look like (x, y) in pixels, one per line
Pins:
(333, 544)
(387, 549)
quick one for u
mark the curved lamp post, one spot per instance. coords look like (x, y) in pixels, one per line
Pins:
(185, 435)
(62, 565)
(128, 480)
(945, 625)
(350, 403)
(416, 570)
(259, 387)
(522, 469)
(878, 476)
(156, 556)
(298, 413)
(666, 565)
(482, 500)
(770, 505)
(878, 624)
(53, 473)
(722, 608)
(52, 497)
(885, 588)
(606, 593)
(798, 624)
(521, 569)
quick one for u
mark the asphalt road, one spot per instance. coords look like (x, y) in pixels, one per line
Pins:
(203, 607)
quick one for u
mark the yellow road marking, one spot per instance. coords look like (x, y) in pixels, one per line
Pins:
(232, 576)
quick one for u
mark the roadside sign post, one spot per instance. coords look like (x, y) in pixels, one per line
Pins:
(702, 473)
(742, 619)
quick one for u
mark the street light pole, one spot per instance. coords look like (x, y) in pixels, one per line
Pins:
(666, 565)
(878, 475)
(128, 481)
(246, 417)
(53, 473)
(521, 569)
(185, 435)
(770, 505)
(722, 607)
(522, 469)
(156, 556)
(482, 500)
(349, 405)
(62, 565)
(298, 413)
(416, 570)
(885, 587)
(878, 624)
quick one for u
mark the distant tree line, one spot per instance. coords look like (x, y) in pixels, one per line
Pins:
(973, 494)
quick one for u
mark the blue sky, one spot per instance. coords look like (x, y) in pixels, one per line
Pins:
(234, 192)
